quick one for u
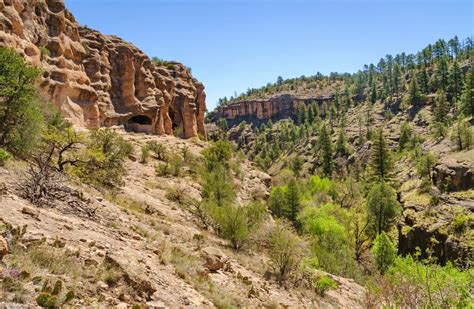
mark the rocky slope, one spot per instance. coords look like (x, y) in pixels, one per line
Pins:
(140, 246)
(99, 80)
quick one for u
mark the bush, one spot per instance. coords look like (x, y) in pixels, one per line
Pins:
(145, 154)
(159, 150)
(102, 162)
(236, 223)
(284, 250)
(461, 222)
(4, 157)
(322, 284)
(414, 284)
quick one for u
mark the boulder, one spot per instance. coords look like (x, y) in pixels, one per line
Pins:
(214, 259)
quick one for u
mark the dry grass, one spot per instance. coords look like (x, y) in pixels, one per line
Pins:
(43, 257)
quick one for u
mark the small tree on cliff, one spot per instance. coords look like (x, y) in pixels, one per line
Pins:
(384, 252)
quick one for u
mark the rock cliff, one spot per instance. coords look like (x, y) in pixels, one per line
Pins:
(99, 80)
(261, 110)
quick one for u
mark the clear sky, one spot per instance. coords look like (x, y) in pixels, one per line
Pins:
(232, 45)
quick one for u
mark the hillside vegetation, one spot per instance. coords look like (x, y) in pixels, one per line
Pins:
(380, 177)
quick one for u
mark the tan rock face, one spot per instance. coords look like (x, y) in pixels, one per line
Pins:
(261, 110)
(98, 80)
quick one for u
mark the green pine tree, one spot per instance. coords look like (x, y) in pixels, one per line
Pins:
(384, 252)
(381, 159)
(326, 150)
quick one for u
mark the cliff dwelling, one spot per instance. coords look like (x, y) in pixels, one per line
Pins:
(139, 124)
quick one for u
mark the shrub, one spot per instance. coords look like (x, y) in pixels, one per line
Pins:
(284, 250)
(324, 283)
(460, 222)
(236, 223)
(415, 284)
(159, 150)
(102, 162)
(145, 154)
(4, 157)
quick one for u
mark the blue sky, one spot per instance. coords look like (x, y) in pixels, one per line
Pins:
(235, 44)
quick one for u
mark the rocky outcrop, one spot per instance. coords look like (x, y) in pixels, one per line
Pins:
(99, 80)
(261, 110)
(454, 175)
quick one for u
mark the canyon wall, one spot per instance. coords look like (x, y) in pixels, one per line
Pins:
(100, 80)
(262, 110)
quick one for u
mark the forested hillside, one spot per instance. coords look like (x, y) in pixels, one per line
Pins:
(377, 170)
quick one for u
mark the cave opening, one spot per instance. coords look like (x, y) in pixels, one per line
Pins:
(140, 124)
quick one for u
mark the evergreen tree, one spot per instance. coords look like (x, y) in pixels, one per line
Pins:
(373, 93)
(293, 201)
(326, 149)
(384, 252)
(441, 108)
(397, 75)
(414, 95)
(466, 103)
(380, 160)
(341, 144)
(406, 132)
(455, 81)
(382, 207)
(462, 135)
(441, 74)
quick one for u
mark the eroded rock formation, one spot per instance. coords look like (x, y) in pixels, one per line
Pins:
(99, 80)
(261, 110)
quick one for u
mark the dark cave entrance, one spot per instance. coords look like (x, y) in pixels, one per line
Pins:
(140, 124)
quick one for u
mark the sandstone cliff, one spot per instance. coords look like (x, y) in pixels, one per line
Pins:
(99, 80)
(261, 110)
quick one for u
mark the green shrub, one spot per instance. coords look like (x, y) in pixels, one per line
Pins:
(145, 154)
(461, 222)
(102, 162)
(4, 156)
(322, 284)
(284, 250)
(159, 150)
(434, 286)
(236, 223)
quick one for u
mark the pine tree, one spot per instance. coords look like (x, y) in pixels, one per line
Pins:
(384, 252)
(326, 149)
(455, 81)
(397, 75)
(373, 94)
(341, 144)
(414, 94)
(382, 207)
(293, 201)
(441, 74)
(441, 108)
(406, 132)
(380, 160)
(466, 103)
